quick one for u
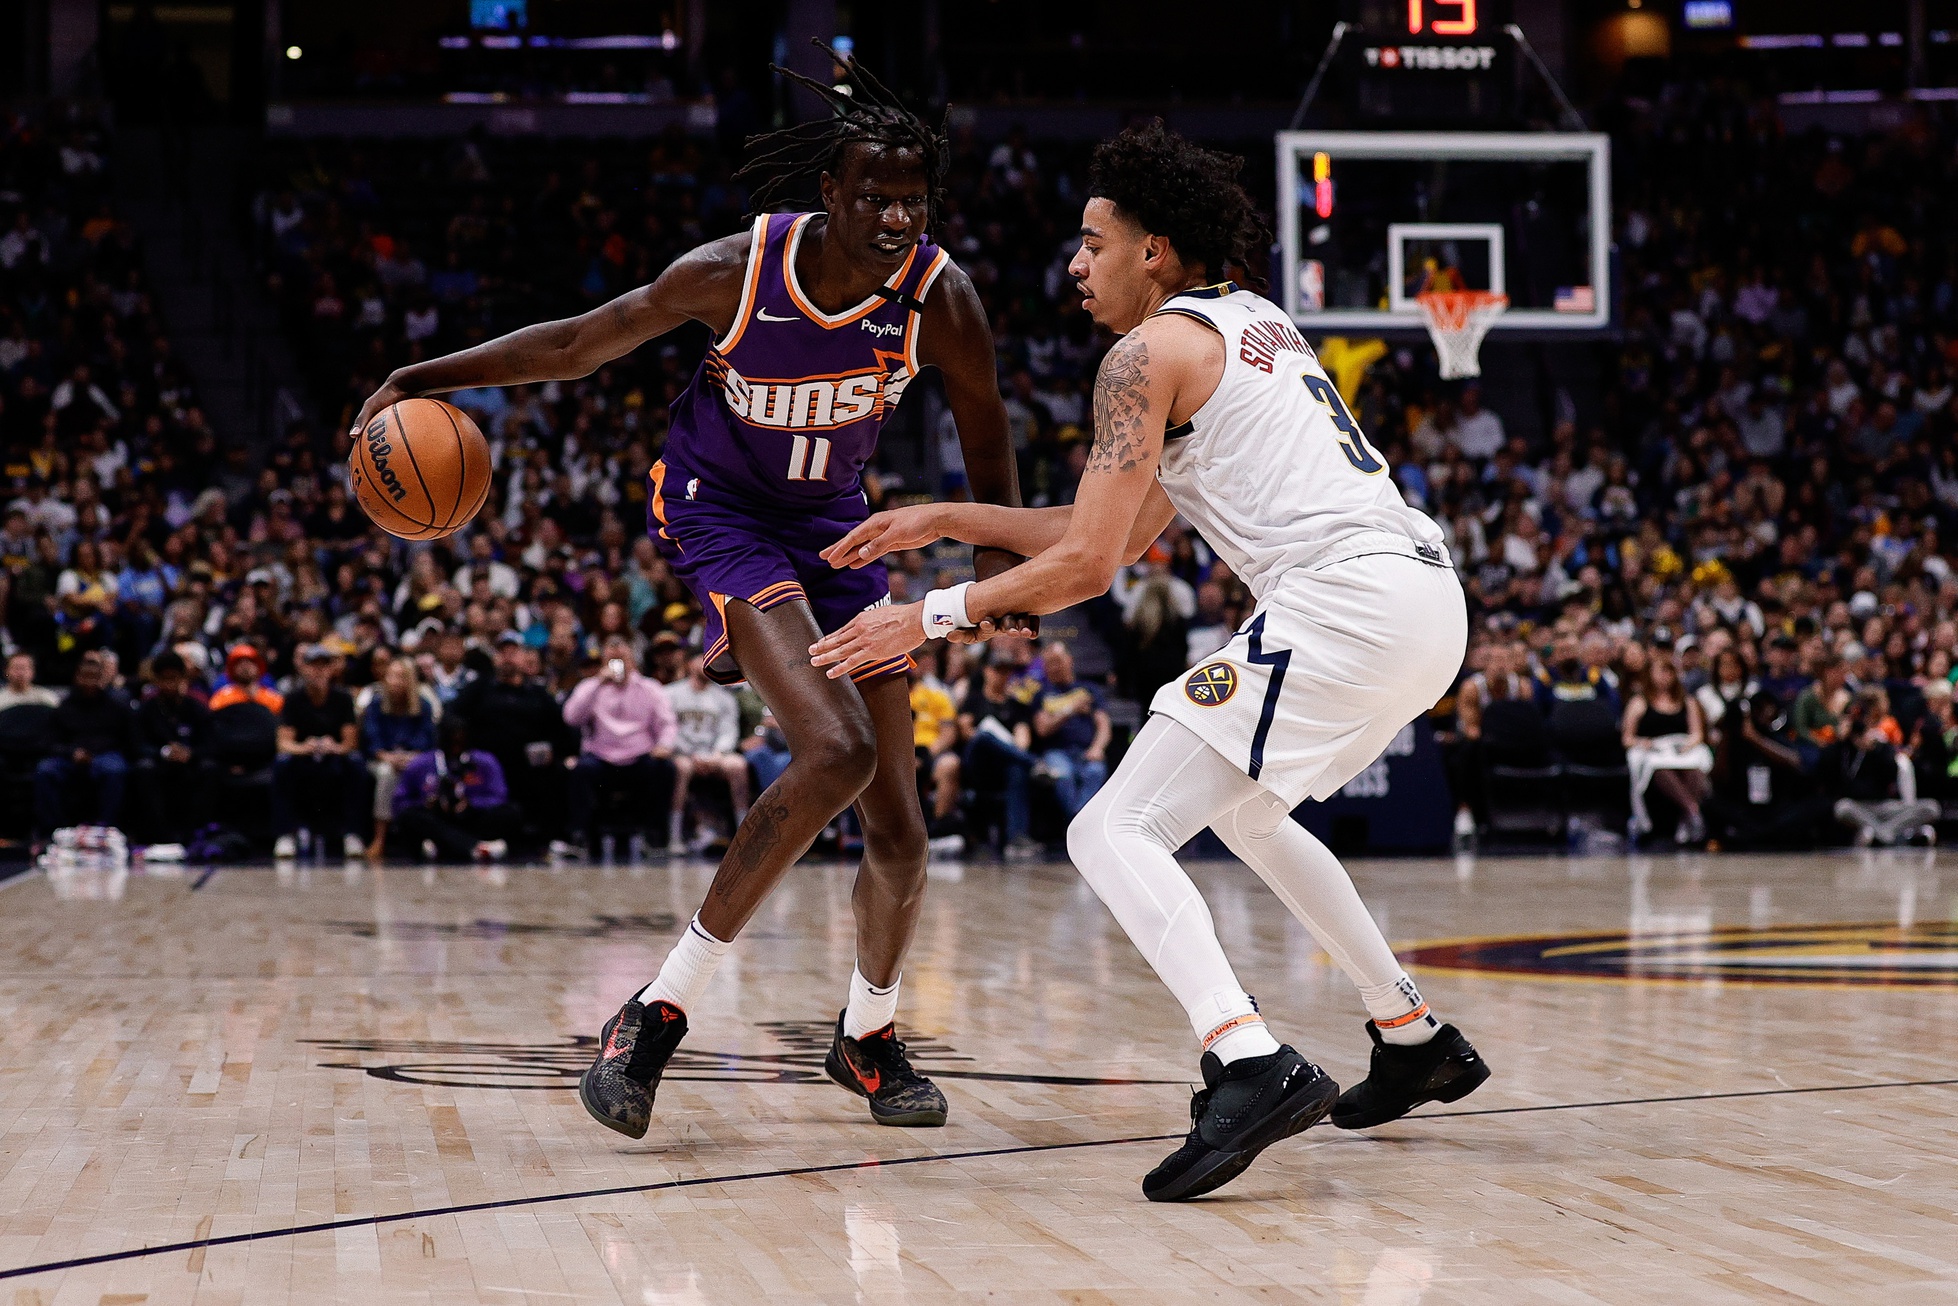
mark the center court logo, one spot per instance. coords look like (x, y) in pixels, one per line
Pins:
(1211, 685)
(1855, 955)
(796, 1058)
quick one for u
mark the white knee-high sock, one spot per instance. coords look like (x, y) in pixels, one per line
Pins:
(688, 967)
(870, 1008)
(1314, 887)
(1122, 842)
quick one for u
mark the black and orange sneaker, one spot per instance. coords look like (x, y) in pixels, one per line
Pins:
(1444, 1069)
(617, 1089)
(876, 1068)
(1242, 1109)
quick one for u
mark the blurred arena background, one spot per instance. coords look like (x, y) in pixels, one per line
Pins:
(1726, 445)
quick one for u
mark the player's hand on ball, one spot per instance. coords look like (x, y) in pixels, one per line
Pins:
(885, 532)
(389, 393)
(871, 637)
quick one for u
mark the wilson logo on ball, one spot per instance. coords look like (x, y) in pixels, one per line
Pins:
(378, 449)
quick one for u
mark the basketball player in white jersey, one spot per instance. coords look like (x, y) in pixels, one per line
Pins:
(1212, 405)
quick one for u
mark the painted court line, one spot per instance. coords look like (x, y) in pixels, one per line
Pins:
(369, 1221)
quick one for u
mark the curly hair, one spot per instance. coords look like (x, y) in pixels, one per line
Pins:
(1180, 191)
(783, 165)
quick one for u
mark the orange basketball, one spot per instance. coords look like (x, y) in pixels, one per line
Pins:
(421, 469)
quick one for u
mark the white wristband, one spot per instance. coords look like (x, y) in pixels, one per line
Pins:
(945, 611)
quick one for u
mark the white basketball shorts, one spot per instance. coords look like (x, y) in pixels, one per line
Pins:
(1329, 668)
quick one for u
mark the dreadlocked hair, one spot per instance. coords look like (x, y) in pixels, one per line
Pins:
(1180, 191)
(783, 165)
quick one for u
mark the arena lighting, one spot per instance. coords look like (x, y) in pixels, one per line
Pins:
(1322, 184)
(294, 52)
(1708, 15)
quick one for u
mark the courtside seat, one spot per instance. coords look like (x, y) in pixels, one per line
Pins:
(1520, 772)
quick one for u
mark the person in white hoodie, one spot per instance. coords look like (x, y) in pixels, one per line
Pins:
(705, 744)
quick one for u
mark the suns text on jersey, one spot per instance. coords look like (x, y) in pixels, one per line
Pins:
(814, 403)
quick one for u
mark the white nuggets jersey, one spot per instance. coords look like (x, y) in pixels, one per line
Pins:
(1273, 470)
(1360, 623)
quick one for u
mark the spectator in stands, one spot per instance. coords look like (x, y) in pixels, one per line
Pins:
(1934, 745)
(1819, 707)
(1665, 747)
(1157, 607)
(627, 730)
(1500, 678)
(450, 802)
(396, 726)
(707, 728)
(1763, 795)
(513, 718)
(1725, 695)
(319, 774)
(173, 772)
(20, 687)
(934, 738)
(89, 736)
(1071, 730)
(1871, 783)
(995, 729)
(244, 681)
(767, 751)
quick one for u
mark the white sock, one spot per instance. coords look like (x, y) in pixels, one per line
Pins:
(688, 968)
(1314, 887)
(870, 1008)
(1238, 1032)
(1399, 1013)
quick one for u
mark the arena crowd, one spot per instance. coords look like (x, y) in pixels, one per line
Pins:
(1721, 582)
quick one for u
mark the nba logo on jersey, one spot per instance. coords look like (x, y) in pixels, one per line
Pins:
(1212, 684)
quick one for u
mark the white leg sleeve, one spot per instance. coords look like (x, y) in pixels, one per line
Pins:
(1314, 887)
(1169, 787)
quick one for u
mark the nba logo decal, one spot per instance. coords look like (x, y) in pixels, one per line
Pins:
(1212, 684)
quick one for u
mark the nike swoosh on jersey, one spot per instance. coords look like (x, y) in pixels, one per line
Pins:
(766, 316)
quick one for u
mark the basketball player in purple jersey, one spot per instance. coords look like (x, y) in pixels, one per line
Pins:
(820, 321)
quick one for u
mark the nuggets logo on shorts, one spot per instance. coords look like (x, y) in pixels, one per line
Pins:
(1212, 684)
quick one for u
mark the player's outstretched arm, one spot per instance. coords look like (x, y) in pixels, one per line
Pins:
(1133, 396)
(702, 285)
(1024, 531)
(958, 341)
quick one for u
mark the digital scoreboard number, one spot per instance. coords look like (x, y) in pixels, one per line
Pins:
(1449, 36)
(1449, 18)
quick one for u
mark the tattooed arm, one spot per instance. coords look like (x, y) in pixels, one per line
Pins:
(1168, 364)
(703, 285)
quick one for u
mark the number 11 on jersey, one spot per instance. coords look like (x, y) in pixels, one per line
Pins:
(808, 458)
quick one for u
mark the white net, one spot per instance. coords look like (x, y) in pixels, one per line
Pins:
(1457, 321)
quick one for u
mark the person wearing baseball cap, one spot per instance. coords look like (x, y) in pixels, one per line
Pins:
(244, 681)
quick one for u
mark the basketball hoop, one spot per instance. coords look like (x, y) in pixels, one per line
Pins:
(1457, 320)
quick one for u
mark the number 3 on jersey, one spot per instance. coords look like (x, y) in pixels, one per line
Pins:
(1353, 445)
(809, 458)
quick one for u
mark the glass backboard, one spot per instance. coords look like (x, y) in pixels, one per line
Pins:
(1374, 218)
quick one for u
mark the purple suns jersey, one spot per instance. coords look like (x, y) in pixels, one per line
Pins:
(785, 408)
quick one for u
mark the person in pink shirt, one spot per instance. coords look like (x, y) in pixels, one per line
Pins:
(627, 728)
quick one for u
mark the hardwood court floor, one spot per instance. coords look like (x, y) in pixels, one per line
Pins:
(355, 1086)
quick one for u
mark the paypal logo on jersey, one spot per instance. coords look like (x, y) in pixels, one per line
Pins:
(883, 328)
(819, 404)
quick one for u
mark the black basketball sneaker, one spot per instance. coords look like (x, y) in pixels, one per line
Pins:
(1243, 1108)
(617, 1088)
(876, 1068)
(1444, 1069)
